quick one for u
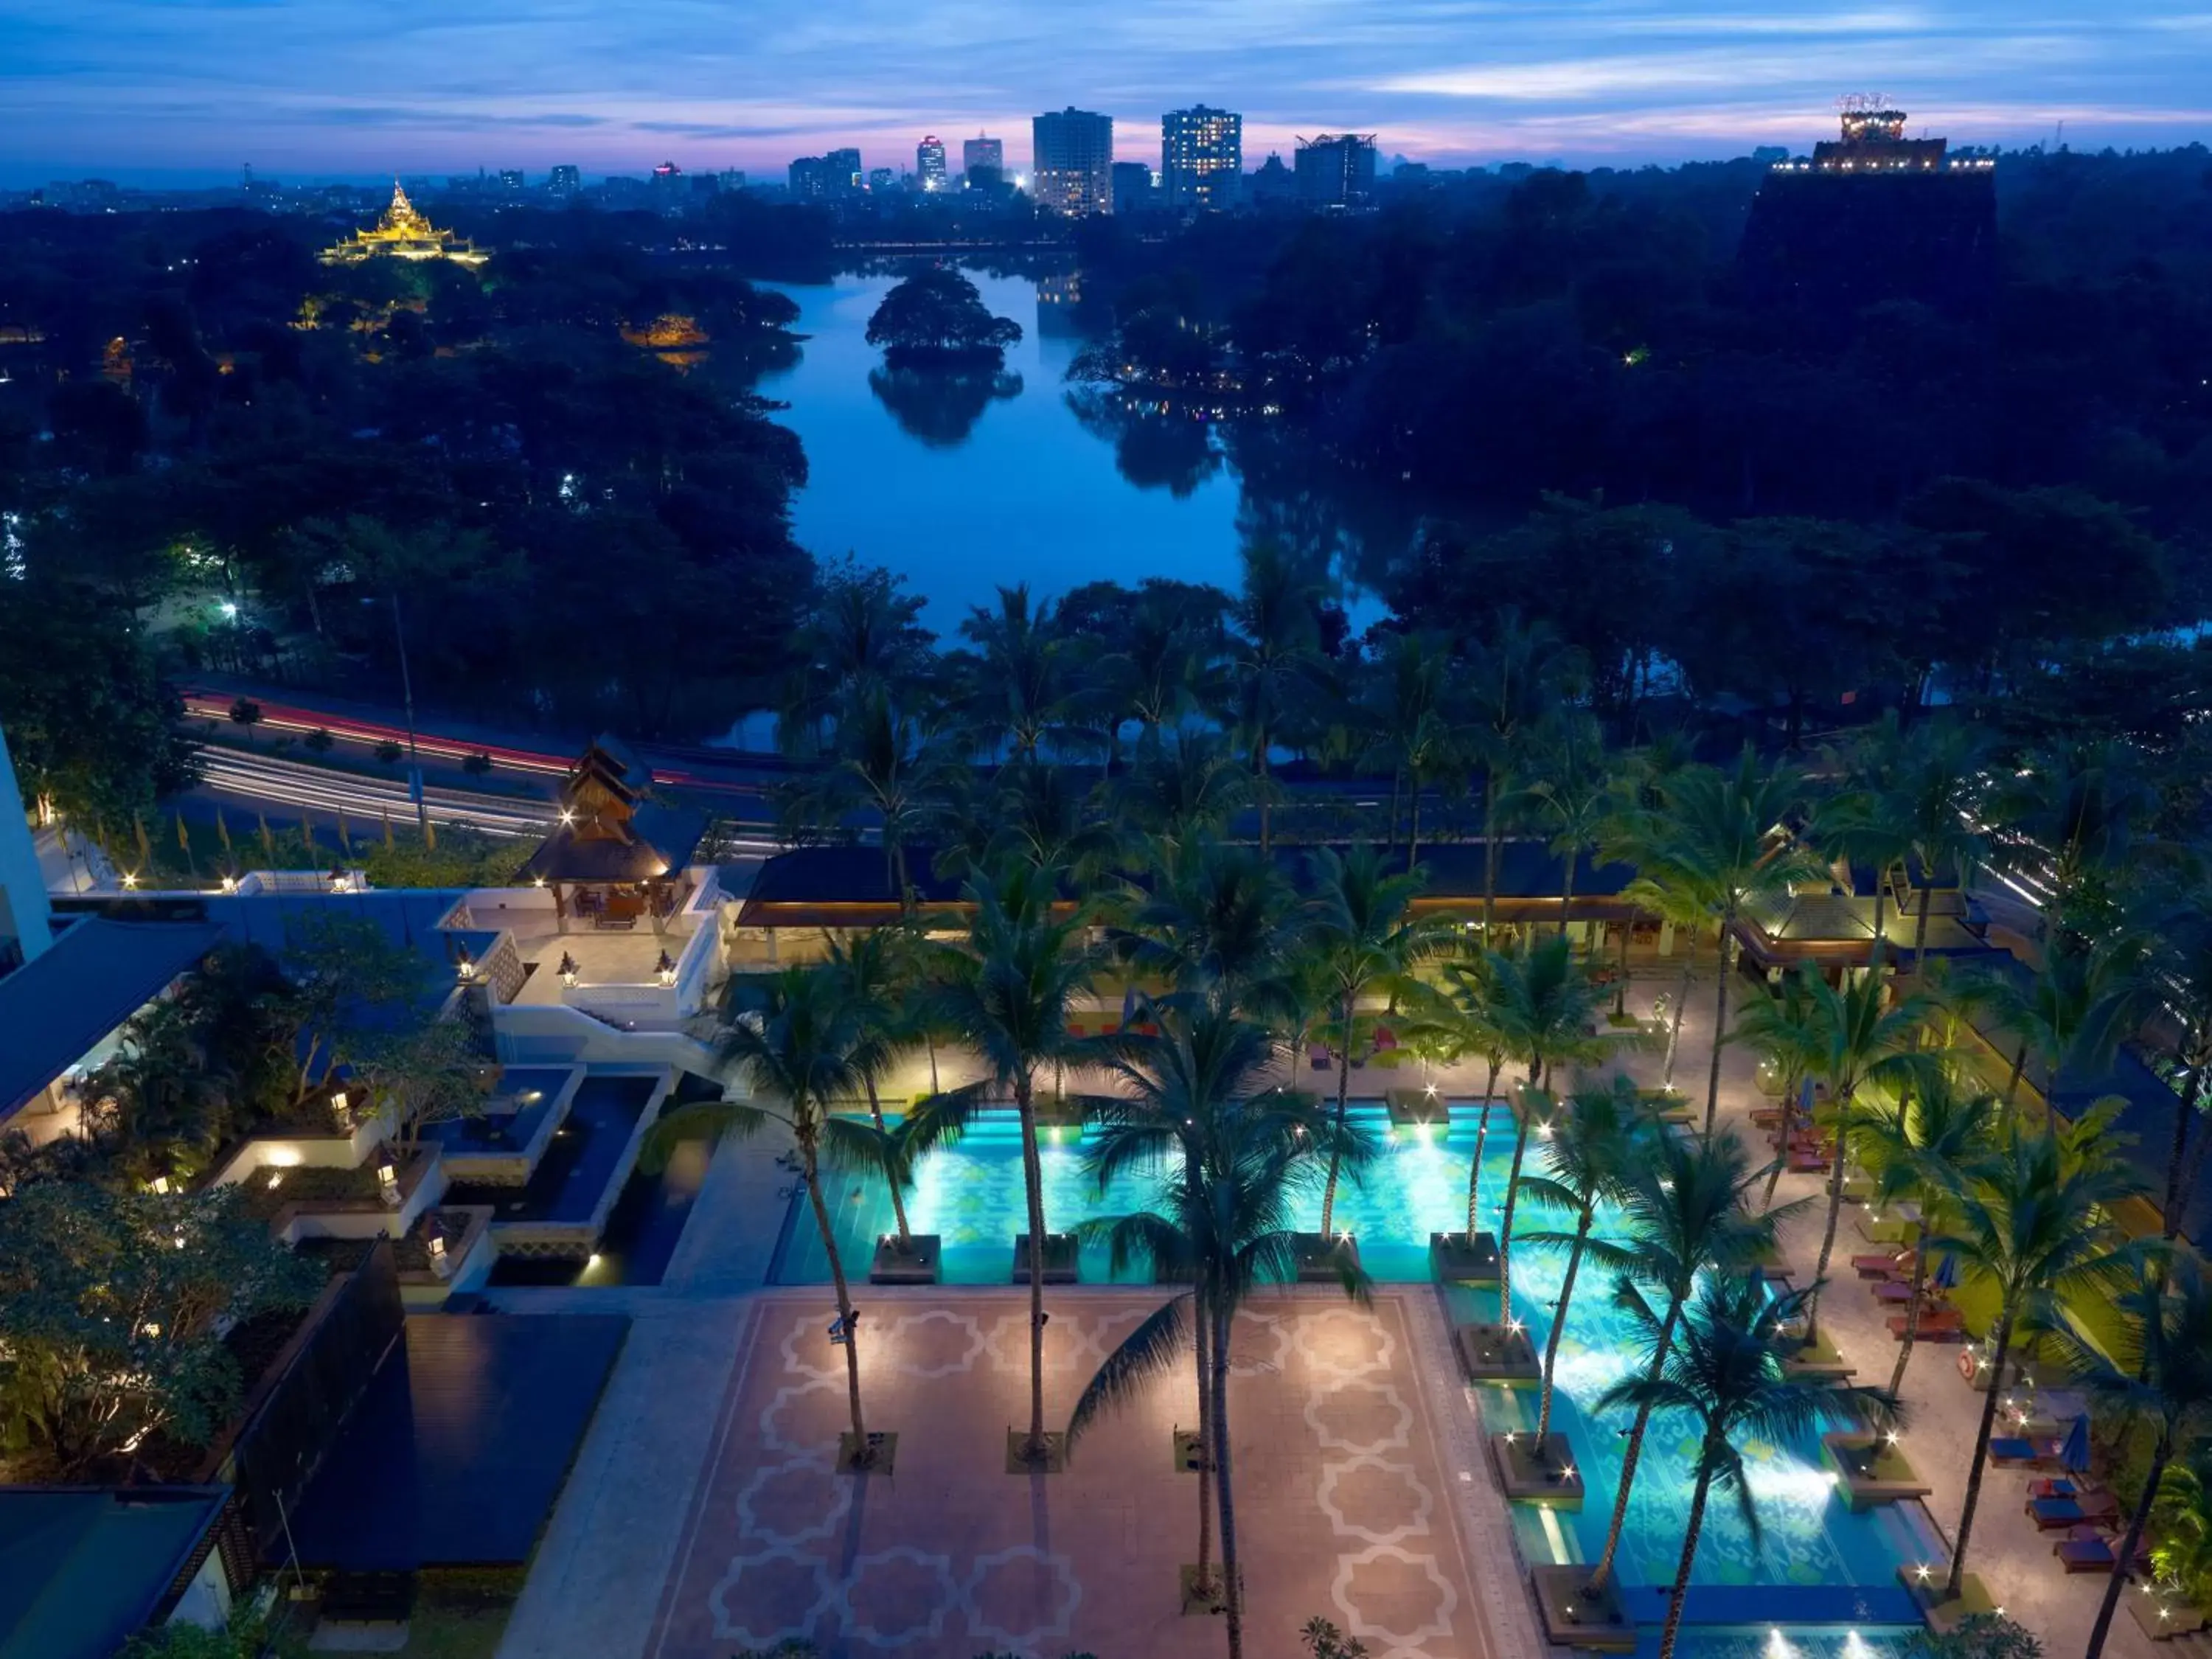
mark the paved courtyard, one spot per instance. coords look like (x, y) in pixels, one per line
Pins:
(1351, 1499)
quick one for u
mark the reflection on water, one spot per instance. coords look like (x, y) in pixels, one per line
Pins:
(966, 483)
(939, 407)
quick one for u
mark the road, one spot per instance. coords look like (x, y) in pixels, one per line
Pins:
(263, 779)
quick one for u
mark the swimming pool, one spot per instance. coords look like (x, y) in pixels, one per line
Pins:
(971, 1195)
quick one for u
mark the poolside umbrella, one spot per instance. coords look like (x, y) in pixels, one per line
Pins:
(1947, 1272)
(2075, 1454)
(1129, 1004)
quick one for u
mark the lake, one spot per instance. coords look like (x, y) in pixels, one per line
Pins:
(965, 484)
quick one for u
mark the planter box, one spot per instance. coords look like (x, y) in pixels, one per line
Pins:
(914, 1264)
(1868, 1470)
(1571, 1619)
(1498, 1354)
(1458, 1260)
(1408, 1107)
(1321, 1260)
(1061, 1254)
(1554, 1480)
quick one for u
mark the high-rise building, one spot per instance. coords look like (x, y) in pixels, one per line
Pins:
(510, 181)
(732, 178)
(565, 180)
(1133, 192)
(929, 162)
(880, 179)
(981, 152)
(846, 176)
(810, 178)
(1336, 170)
(667, 182)
(1073, 162)
(1201, 157)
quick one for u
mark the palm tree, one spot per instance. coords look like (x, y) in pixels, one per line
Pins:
(1184, 789)
(1465, 1009)
(793, 1044)
(1019, 694)
(1856, 827)
(1573, 800)
(1361, 934)
(872, 972)
(1542, 1005)
(1925, 1147)
(2066, 814)
(1727, 1373)
(1858, 1038)
(1588, 1159)
(2164, 1379)
(2075, 1005)
(1275, 653)
(1228, 1225)
(2035, 1230)
(1214, 913)
(1687, 1208)
(2178, 913)
(1935, 788)
(1512, 683)
(1721, 842)
(1189, 1096)
(1008, 995)
(881, 760)
(1412, 727)
(1781, 1028)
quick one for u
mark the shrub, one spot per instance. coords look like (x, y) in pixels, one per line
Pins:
(245, 713)
(1977, 1635)
(389, 752)
(477, 764)
(319, 740)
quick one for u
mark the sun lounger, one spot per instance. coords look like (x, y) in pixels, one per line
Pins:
(1886, 1265)
(2011, 1450)
(1937, 1325)
(1767, 1117)
(1895, 1290)
(2050, 1514)
(1318, 1058)
(1808, 1164)
(2082, 1550)
(2053, 1485)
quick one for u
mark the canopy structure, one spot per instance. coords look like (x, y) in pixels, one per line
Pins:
(617, 854)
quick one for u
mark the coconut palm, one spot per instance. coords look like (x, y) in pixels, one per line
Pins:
(1463, 1007)
(1727, 1373)
(2161, 1379)
(2075, 1006)
(1361, 935)
(1407, 710)
(1855, 827)
(1687, 1208)
(2067, 814)
(881, 759)
(2035, 1230)
(1214, 913)
(1543, 1007)
(2184, 1512)
(2177, 914)
(1925, 1146)
(1588, 1159)
(1512, 683)
(1274, 654)
(793, 1042)
(1190, 1097)
(1858, 1039)
(872, 972)
(1184, 788)
(1933, 783)
(1782, 1029)
(1019, 688)
(1007, 994)
(1721, 842)
(1572, 801)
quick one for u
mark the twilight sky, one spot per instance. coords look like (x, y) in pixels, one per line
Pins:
(158, 90)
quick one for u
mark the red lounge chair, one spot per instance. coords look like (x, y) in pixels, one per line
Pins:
(1895, 1290)
(1808, 1164)
(2051, 1485)
(1882, 1266)
(1384, 1038)
(1767, 1117)
(1937, 1325)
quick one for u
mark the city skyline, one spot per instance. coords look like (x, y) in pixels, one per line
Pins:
(162, 92)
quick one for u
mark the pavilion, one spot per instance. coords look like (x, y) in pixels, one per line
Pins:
(403, 232)
(617, 856)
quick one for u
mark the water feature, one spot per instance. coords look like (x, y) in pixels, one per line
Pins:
(971, 1194)
(963, 483)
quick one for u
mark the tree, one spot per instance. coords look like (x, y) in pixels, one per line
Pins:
(1543, 1007)
(1514, 680)
(1926, 1147)
(1274, 654)
(2034, 1231)
(113, 1306)
(1361, 936)
(1225, 1217)
(1686, 1209)
(1570, 800)
(1215, 912)
(336, 968)
(1588, 1158)
(1727, 1374)
(1007, 994)
(423, 1073)
(1931, 783)
(885, 761)
(2161, 1379)
(1191, 1101)
(1015, 679)
(1857, 1037)
(794, 1040)
(1722, 842)
(1977, 1636)
(936, 317)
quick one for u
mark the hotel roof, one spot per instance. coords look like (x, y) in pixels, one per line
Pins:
(55, 1009)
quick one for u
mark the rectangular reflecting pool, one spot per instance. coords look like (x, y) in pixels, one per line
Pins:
(970, 1195)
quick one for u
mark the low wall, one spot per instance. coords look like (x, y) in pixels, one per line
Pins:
(544, 1035)
(301, 1150)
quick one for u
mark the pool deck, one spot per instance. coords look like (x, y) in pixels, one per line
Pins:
(685, 1523)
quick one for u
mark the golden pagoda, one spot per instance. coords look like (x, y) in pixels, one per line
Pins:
(404, 233)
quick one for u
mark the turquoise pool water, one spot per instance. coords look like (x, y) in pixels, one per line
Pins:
(971, 1195)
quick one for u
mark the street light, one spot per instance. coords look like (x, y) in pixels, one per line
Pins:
(407, 692)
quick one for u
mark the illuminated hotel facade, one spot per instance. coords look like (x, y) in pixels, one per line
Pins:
(1201, 157)
(1073, 164)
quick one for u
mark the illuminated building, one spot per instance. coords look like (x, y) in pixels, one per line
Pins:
(404, 233)
(929, 162)
(881, 179)
(981, 152)
(843, 169)
(510, 181)
(1201, 157)
(1073, 161)
(1336, 170)
(1874, 216)
(565, 181)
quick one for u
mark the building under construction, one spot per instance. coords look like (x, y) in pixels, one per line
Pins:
(1874, 216)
